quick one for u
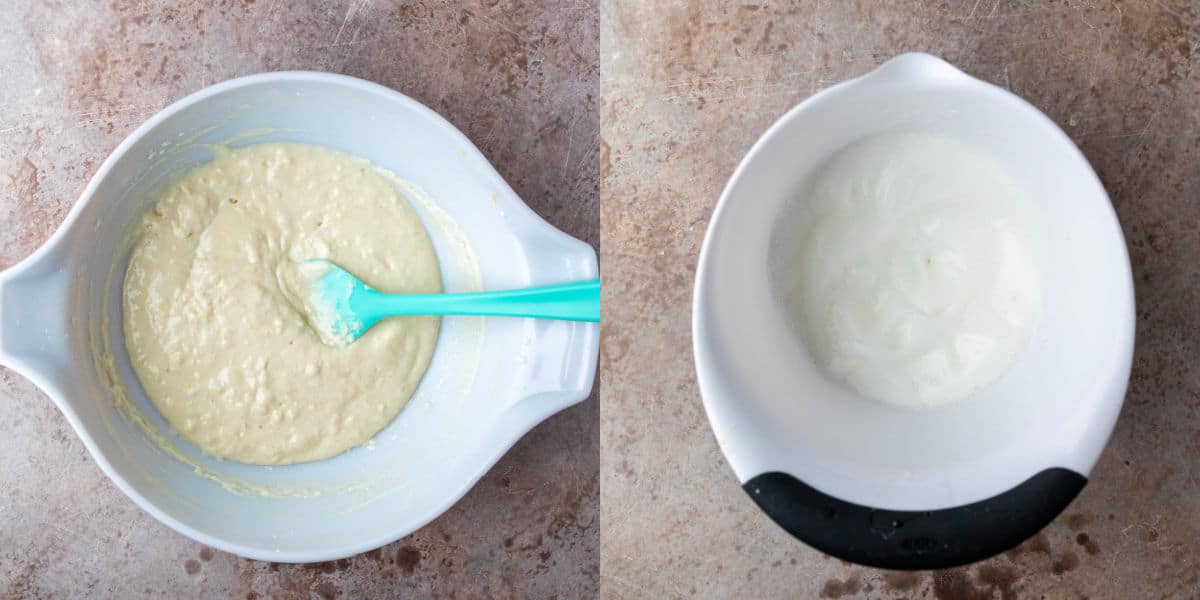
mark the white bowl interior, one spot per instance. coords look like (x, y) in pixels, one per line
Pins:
(490, 380)
(773, 410)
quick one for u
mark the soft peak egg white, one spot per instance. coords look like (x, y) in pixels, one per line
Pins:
(918, 279)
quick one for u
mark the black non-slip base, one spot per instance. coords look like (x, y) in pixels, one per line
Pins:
(933, 539)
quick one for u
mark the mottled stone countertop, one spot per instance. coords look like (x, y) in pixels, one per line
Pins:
(689, 86)
(521, 80)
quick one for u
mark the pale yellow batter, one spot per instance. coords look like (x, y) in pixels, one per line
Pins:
(220, 351)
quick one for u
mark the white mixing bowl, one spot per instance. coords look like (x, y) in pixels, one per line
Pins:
(490, 381)
(887, 486)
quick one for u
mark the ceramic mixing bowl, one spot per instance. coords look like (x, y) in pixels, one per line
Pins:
(887, 486)
(490, 380)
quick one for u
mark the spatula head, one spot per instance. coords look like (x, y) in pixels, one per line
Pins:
(321, 292)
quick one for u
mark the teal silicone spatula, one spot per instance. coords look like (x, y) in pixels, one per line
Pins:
(340, 307)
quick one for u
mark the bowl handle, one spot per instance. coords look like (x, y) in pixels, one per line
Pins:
(894, 539)
(34, 319)
(916, 66)
(568, 377)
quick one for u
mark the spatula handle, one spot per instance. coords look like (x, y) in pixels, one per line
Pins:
(576, 301)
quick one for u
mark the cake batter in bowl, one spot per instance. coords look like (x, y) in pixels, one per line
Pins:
(210, 325)
(488, 380)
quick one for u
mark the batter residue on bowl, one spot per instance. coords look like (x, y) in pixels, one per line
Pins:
(218, 348)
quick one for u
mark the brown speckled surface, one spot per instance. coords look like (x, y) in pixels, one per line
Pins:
(689, 86)
(520, 79)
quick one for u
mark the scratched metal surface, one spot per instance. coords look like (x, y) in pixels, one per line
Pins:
(521, 80)
(689, 86)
